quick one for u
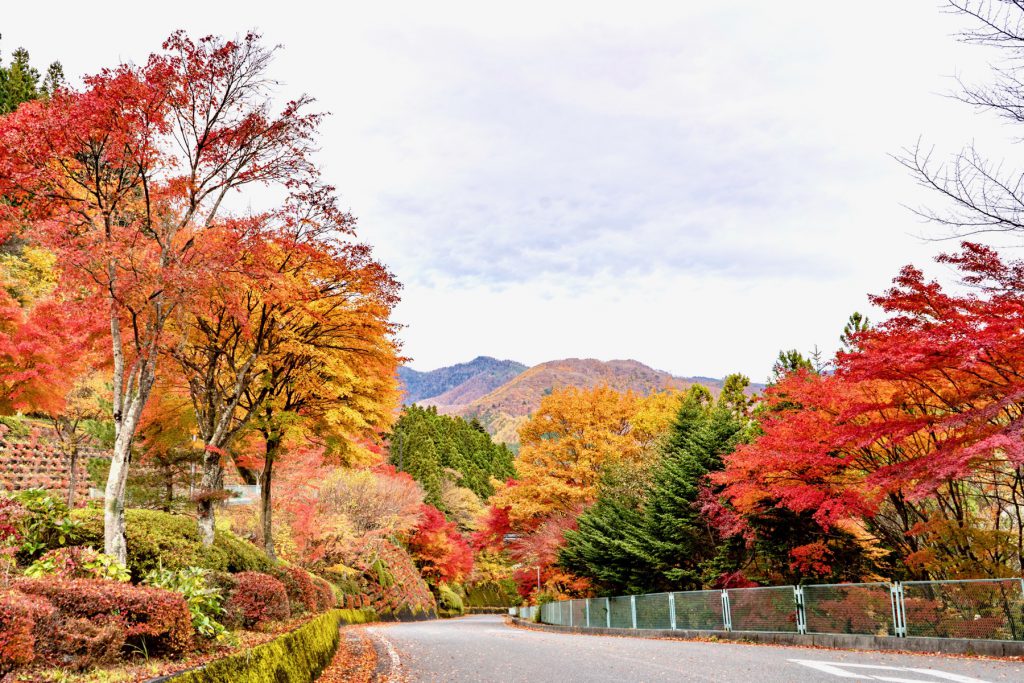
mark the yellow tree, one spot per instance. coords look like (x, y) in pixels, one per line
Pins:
(568, 442)
(331, 377)
(301, 335)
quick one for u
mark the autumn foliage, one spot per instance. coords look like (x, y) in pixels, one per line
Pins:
(916, 435)
(442, 554)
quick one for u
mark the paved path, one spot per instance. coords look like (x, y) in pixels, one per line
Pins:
(482, 649)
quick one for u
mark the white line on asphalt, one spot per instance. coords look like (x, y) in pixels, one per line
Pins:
(839, 669)
(396, 663)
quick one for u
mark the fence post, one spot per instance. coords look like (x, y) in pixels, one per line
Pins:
(672, 611)
(570, 612)
(801, 615)
(586, 607)
(608, 611)
(632, 608)
(726, 613)
(899, 613)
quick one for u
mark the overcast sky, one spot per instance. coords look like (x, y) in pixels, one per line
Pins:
(695, 187)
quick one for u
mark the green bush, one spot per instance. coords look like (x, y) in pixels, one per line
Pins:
(296, 657)
(46, 524)
(448, 602)
(160, 539)
(492, 594)
(17, 427)
(78, 562)
(203, 600)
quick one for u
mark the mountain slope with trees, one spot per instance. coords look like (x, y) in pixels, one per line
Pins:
(457, 384)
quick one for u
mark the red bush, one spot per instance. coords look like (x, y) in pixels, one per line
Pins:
(298, 584)
(325, 599)
(439, 549)
(256, 599)
(79, 644)
(155, 617)
(20, 615)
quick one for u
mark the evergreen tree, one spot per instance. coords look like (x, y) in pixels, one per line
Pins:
(788, 362)
(856, 323)
(434, 448)
(20, 82)
(659, 539)
(681, 541)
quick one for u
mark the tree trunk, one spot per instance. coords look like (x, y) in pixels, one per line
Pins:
(250, 476)
(168, 487)
(114, 542)
(209, 488)
(273, 444)
(73, 476)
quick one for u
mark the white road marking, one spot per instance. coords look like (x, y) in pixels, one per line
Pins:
(840, 670)
(396, 663)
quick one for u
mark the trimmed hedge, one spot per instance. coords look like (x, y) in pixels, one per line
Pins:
(256, 599)
(296, 657)
(20, 615)
(156, 617)
(159, 538)
(299, 585)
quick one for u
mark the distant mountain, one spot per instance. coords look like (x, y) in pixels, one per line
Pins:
(503, 393)
(457, 384)
(506, 407)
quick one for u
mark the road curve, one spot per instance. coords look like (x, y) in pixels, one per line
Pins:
(483, 649)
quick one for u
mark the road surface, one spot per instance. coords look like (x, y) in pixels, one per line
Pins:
(483, 649)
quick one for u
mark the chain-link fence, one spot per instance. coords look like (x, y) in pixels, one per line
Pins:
(772, 608)
(990, 609)
(862, 608)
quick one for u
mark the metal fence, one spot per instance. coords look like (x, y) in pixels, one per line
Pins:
(989, 609)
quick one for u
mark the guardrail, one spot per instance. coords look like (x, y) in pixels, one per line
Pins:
(986, 609)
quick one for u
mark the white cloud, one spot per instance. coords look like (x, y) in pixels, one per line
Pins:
(693, 185)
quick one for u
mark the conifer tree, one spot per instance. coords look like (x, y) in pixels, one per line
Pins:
(659, 539)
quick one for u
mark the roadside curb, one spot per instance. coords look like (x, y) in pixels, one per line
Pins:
(951, 646)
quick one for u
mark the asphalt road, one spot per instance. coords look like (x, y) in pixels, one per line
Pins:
(483, 649)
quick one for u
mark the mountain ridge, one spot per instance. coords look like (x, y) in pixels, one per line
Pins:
(502, 408)
(462, 381)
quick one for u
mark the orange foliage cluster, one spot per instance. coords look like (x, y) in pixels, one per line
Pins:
(566, 446)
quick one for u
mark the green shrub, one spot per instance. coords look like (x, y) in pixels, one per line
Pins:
(78, 562)
(160, 539)
(345, 579)
(240, 554)
(16, 426)
(98, 470)
(448, 601)
(45, 525)
(492, 594)
(296, 657)
(203, 600)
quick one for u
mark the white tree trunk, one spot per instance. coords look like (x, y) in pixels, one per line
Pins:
(114, 542)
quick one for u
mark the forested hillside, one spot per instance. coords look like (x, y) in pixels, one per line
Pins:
(457, 384)
(503, 410)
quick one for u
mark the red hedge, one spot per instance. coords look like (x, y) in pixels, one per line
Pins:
(325, 598)
(20, 615)
(257, 598)
(154, 615)
(298, 583)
